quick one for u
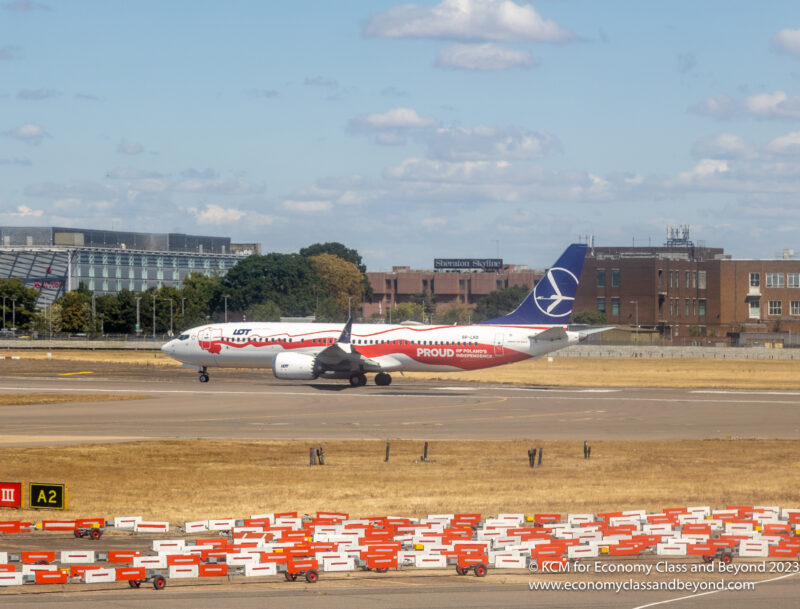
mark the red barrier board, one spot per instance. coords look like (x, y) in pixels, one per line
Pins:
(128, 573)
(212, 570)
(52, 577)
(31, 558)
(8, 568)
(11, 494)
(10, 526)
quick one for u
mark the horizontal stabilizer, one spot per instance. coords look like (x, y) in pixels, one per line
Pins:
(551, 334)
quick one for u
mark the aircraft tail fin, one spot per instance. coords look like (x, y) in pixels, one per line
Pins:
(551, 300)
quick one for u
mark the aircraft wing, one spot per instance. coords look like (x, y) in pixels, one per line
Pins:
(342, 356)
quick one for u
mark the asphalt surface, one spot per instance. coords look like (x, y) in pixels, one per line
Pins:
(259, 407)
(255, 406)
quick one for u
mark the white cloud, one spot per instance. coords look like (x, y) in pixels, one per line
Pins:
(483, 143)
(723, 146)
(307, 207)
(396, 118)
(704, 169)
(467, 20)
(215, 214)
(432, 223)
(773, 105)
(717, 106)
(129, 147)
(788, 144)
(30, 133)
(787, 41)
(23, 211)
(218, 187)
(487, 57)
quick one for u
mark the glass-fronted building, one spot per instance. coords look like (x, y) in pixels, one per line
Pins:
(56, 260)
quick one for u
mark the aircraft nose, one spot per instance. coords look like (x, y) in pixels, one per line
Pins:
(168, 348)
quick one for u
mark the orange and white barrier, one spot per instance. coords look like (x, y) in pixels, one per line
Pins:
(126, 522)
(259, 570)
(151, 527)
(100, 576)
(184, 572)
(77, 557)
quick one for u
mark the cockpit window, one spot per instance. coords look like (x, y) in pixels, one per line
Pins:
(183, 337)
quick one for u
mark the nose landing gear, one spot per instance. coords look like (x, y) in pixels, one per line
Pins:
(203, 375)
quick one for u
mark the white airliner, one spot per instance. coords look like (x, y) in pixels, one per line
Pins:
(307, 351)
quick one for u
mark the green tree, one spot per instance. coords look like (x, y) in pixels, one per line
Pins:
(341, 280)
(457, 314)
(76, 311)
(334, 248)
(20, 303)
(499, 302)
(405, 311)
(427, 301)
(267, 311)
(339, 250)
(203, 296)
(286, 279)
(590, 318)
(331, 309)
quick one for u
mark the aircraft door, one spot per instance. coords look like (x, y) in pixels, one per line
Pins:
(498, 345)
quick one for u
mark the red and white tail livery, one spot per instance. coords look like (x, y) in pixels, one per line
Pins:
(307, 351)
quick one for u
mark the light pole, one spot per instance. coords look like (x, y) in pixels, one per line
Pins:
(226, 307)
(183, 309)
(170, 315)
(14, 314)
(154, 315)
(94, 316)
(4, 312)
(138, 326)
(636, 302)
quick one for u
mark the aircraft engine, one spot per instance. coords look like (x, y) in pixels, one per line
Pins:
(295, 367)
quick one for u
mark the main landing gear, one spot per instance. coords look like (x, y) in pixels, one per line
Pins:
(359, 380)
(203, 375)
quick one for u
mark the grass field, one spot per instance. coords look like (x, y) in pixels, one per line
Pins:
(194, 479)
(22, 399)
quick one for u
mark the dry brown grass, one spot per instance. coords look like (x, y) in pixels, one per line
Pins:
(24, 399)
(185, 480)
(627, 372)
(108, 356)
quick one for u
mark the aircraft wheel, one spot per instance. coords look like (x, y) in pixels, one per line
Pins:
(383, 379)
(355, 380)
(362, 380)
(204, 378)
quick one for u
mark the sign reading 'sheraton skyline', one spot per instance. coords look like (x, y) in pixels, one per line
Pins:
(407, 130)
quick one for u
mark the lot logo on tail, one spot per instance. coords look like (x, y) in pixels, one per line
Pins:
(549, 292)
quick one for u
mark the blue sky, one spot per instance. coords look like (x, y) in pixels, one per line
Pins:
(458, 128)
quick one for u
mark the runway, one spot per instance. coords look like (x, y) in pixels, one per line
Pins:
(255, 407)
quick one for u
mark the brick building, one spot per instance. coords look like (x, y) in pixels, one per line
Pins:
(690, 291)
(449, 288)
